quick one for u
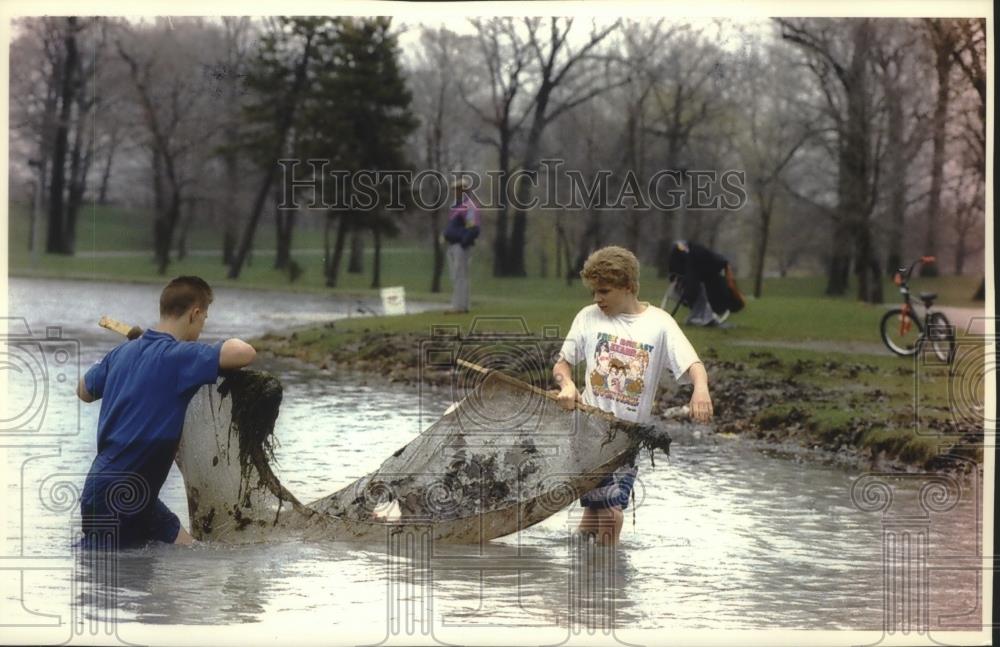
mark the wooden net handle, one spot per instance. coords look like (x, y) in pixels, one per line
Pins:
(123, 329)
(672, 412)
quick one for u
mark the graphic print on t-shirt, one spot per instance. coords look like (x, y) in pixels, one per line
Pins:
(620, 365)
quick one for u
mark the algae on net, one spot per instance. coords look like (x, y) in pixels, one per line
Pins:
(256, 398)
(648, 437)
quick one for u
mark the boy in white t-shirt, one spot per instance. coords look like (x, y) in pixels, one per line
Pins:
(626, 344)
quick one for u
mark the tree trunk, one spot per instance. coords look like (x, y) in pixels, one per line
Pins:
(377, 263)
(284, 222)
(168, 225)
(500, 261)
(77, 184)
(855, 188)
(82, 158)
(519, 227)
(230, 211)
(185, 219)
(434, 219)
(326, 243)
(980, 294)
(589, 241)
(943, 57)
(333, 267)
(960, 253)
(102, 193)
(161, 241)
(354, 261)
(564, 255)
(669, 220)
(632, 155)
(559, 246)
(867, 268)
(898, 161)
(515, 253)
(763, 233)
(838, 269)
(284, 126)
(45, 140)
(56, 239)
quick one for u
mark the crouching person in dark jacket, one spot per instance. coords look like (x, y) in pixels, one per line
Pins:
(461, 234)
(706, 283)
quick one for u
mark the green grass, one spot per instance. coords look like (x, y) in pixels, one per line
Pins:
(103, 231)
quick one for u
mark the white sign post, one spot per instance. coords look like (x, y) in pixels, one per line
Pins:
(393, 300)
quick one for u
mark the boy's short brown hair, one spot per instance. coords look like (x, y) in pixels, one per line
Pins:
(182, 294)
(612, 265)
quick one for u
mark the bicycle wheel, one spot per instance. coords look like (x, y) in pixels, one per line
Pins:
(941, 336)
(901, 335)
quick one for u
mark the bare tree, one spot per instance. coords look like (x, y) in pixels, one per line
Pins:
(905, 129)
(435, 80)
(87, 97)
(943, 40)
(566, 78)
(165, 80)
(306, 31)
(772, 134)
(538, 78)
(840, 57)
(967, 220)
(505, 57)
(56, 240)
(970, 56)
(36, 78)
(644, 67)
(685, 100)
(229, 73)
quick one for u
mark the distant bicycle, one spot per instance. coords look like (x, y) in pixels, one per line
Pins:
(903, 330)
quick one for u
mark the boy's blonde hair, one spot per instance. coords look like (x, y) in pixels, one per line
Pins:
(614, 266)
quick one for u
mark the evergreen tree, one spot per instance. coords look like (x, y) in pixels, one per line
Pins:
(359, 117)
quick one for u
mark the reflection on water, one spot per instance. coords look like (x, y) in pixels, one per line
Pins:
(722, 537)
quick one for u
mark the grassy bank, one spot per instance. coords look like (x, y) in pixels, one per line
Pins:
(870, 407)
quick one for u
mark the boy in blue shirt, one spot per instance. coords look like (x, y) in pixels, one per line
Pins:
(145, 386)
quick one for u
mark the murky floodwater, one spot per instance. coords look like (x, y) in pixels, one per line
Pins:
(724, 536)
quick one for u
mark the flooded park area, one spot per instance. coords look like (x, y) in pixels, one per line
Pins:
(723, 536)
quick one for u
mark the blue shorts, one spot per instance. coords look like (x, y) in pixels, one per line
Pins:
(613, 491)
(155, 523)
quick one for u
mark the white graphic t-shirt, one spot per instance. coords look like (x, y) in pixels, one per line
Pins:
(625, 356)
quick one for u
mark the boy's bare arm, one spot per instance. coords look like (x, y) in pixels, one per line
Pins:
(701, 401)
(83, 393)
(563, 374)
(236, 353)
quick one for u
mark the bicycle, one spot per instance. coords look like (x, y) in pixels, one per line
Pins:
(903, 330)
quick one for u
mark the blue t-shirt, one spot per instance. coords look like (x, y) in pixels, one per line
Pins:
(145, 386)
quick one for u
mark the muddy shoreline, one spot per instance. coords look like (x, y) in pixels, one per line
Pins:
(743, 393)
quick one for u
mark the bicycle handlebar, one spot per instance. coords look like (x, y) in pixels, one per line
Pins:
(903, 275)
